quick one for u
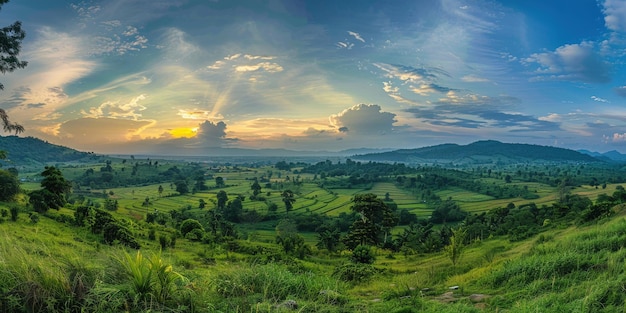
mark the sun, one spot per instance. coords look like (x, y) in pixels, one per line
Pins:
(183, 132)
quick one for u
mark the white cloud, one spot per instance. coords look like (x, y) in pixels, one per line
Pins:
(194, 114)
(474, 79)
(617, 137)
(598, 99)
(356, 36)
(344, 45)
(614, 15)
(364, 119)
(573, 62)
(114, 109)
(267, 66)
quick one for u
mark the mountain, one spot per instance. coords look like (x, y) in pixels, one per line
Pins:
(486, 151)
(609, 156)
(24, 151)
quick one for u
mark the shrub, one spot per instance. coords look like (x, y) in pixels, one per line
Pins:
(355, 273)
(362, 254)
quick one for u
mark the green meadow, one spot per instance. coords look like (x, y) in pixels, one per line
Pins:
(559, 261)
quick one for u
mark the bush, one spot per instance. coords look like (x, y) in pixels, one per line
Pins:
(355, 273)
(362, 254)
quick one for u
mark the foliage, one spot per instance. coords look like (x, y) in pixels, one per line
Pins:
(53, 193)
(288, 199)
(355, 272)
(9, 186)
(151, 278)
(374, 224)
(362, 254)
(454, 250)
(188, 225)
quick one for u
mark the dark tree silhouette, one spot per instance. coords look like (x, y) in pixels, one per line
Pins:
(10, 44)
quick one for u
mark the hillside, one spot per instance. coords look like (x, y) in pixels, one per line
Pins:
(32, 151)
(487, 151)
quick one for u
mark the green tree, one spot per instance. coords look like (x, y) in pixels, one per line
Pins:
(256, 188)
(374, 223)
(222, 199)
(288, 199)
(181, 186)
(455, 249)
(189, 225)
(201, 204)
(160, 190)
(219, 182)
(9, 186)
(53, 193)
(287, 237)
(233, 210)
(328, 237)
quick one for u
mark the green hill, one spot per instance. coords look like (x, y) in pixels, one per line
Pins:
(481, 152)
(30, 151)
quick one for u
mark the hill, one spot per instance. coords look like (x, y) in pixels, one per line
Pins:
(487, 151)
(30, 151)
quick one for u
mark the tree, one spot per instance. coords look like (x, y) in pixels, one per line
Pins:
(160, 190)
(201, 204)
(54, 190)
(375, 222)
(182, 187)
(219, 182)
(454, 250)
(9, 186)
(222, 199)
(188, 225)
(288, 199)
(256, 188)
(10, 44)
(287, 236)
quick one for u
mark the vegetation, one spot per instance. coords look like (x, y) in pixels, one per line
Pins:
(311, 237)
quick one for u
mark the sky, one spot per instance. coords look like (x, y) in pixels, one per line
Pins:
(187, 77)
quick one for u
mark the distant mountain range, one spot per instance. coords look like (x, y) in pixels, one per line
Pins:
(487, 151)
(609, 156)
(24, 151)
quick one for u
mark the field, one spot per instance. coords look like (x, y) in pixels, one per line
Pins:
(252, 273)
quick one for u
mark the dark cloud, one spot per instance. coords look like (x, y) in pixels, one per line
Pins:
(343, 129)
(35, 105)
(487, 115)
(364, 119)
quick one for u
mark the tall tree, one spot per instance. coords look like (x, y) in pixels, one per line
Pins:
(288, 199)
(10, 45)
(222, 198)
(54, 190)
(375, 222)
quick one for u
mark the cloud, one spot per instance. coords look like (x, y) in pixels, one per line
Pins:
(356, 36)
(409, 73)
(614, 15)
(364, 119)
(617, 137)
(573, 62)
(594, 98)
(266, 66)
(474, 79)
(194, 114)
(344, 45)
(211, 132)
(426, 89)
(86, 132)
(115, 109)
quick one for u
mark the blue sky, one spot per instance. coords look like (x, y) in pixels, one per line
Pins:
(186, 77)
